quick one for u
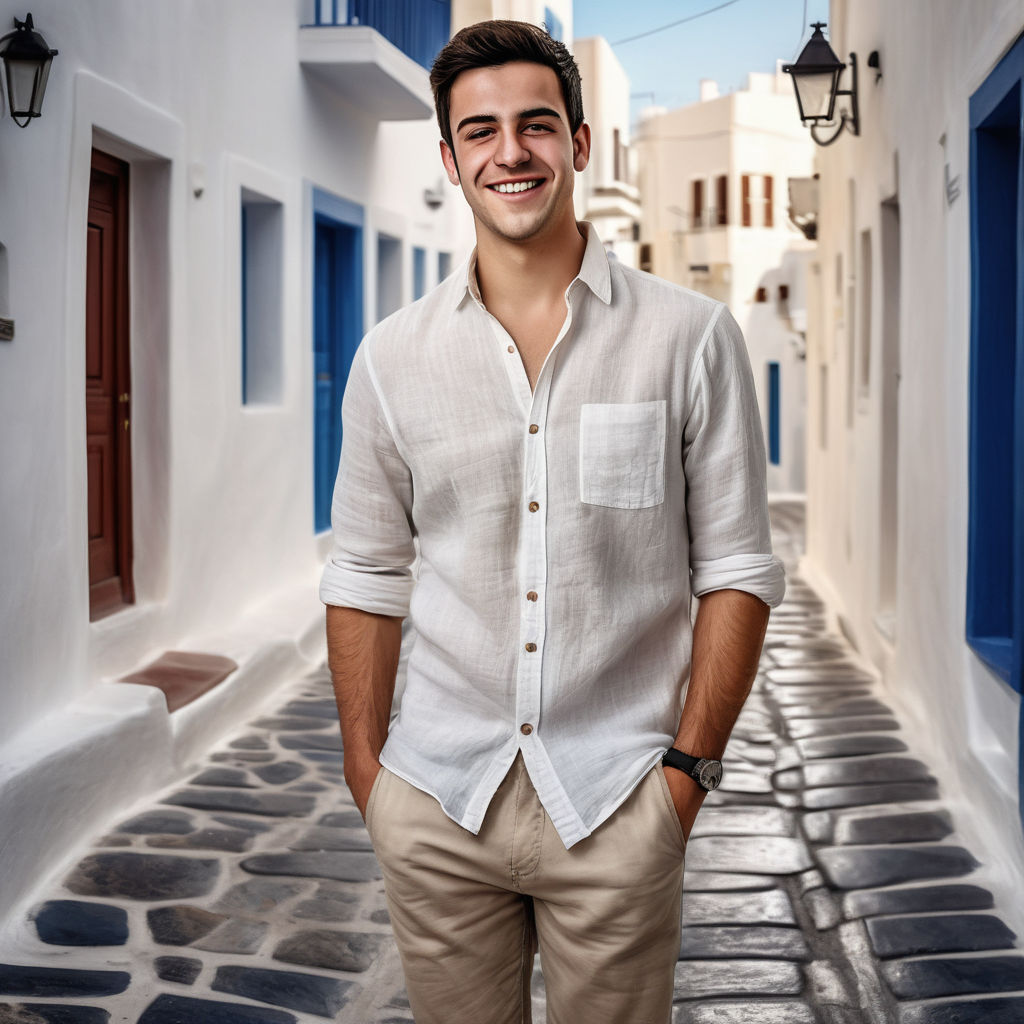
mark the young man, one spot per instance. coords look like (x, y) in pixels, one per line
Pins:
(576, 448)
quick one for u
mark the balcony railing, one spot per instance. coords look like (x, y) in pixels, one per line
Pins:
(419, 28)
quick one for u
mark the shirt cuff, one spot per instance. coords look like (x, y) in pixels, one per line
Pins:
(378, 591)
(761, 575)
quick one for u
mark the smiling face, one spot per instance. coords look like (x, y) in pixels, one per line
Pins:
(514, 154)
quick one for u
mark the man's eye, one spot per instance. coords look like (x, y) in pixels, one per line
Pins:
(541, 127)
(479, 133)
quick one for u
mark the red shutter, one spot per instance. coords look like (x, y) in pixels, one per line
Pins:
(722, 199)
(698, 203)
(769, 210)
(746, 201)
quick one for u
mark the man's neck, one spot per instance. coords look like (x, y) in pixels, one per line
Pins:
(535, 272)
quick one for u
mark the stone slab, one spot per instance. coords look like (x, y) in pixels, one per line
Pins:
(333, 950)
(865, 867)
(848, 746)
(785, 1011)
(249, 743)
(720, 908)
(293, 723)
(226, 840)
(333, 839)
(722, 978)
(342, 819)
(1009, 1010)
(52, 1013)
(246, 824)
(180, 969)
(56, 982)
(223, 777)
(954, 976)
(273, 805)
(724, 881)
(858, 771)
(835, 708)
(237, 937)
(173, 1009)
(356, 867)
(331, 906)
(778, 855)
(76, 923)
(281, 772)
(734, 942)
(818, 676)
(313, 708)
(178, 926)
(307, 993)
(917, 899)
(784, 696)
(160, 821)
(258, 896)
(901, 827)
(804, 728)
(315, 741)
(744, 821)
(143, 876)
(822, 906)
(863, 796)
(945, 933)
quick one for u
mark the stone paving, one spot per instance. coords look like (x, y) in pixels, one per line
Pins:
(825, 881)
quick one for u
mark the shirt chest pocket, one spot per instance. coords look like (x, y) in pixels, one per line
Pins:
(622, 454)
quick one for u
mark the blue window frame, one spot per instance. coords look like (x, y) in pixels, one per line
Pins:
(419, 273)
(337, 330)
(773, 413)
(995, 580)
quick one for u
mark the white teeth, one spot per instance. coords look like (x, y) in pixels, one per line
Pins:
(516, 186)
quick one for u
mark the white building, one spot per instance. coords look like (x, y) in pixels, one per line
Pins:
(915, 470)
(218, 200)
(713, 180)
(606, 194)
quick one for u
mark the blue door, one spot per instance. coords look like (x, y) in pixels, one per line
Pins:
(337, 329)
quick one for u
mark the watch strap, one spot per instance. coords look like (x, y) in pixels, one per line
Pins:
(677, 759)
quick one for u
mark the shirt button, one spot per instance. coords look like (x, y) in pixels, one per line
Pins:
(531, 648)
(534, 506)
(531, 595)
(526, 728)
(534, 428)
(511, 348)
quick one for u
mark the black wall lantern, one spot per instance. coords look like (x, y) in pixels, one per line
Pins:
(816, 75)
(27, 64)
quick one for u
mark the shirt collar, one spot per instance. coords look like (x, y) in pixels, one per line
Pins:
(594, 271)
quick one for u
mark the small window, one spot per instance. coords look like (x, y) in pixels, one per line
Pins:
(419, 272)
(262, 229)
(444, 265)
(762, 295)
(697, 211)
(774, 413)
(646, 257)
(389, 275)
(722, 200)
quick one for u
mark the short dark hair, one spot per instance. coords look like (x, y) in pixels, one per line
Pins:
(490, 44)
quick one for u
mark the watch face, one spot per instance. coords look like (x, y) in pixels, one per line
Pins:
(710, 774)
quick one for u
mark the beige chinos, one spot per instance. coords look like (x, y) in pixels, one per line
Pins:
(468, 911)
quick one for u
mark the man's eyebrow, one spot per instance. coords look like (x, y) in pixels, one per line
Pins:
(521, 116)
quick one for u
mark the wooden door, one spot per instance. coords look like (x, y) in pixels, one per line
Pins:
(107, 389)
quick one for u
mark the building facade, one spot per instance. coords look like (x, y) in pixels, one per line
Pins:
(915, 496)
(216, 203)
(714, 180)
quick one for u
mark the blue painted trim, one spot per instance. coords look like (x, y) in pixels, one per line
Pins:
(245, 303)
(774, 412)
(344, 211)
(995, 571)
(419, 272)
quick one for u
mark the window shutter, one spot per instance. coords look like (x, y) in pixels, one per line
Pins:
(746, 201)
(697, 214)
(722, 199)
(769, 209)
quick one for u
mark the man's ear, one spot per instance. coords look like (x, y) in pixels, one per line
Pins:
(450, 166)
(581, 147)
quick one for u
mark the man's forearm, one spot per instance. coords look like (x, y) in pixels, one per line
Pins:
(727, 640)
(362, 653)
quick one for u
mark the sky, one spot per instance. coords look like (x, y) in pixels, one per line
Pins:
(745, 35)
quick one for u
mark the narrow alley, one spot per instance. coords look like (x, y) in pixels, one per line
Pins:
(825, 880)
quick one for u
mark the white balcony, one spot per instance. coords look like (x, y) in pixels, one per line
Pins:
(372, 74)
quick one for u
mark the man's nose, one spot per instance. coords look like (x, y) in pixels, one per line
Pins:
(511, 150)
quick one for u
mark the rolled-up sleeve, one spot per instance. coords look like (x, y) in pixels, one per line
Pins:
(370, 564)
(724, 464)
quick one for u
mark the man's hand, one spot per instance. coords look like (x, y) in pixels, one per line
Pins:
(360, 776)
(687, 796)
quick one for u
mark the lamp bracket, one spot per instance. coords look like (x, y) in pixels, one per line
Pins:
(849, 120)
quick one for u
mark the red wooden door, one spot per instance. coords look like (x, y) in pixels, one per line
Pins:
(107, 389)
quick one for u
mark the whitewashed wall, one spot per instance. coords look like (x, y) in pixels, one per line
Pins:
(895, 571)
(206, 99)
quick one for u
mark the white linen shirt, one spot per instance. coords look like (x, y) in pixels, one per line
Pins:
(561, 533)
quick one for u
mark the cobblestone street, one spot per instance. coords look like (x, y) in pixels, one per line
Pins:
(825, 881)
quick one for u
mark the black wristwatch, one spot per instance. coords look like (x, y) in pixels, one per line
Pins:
(705, 771)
